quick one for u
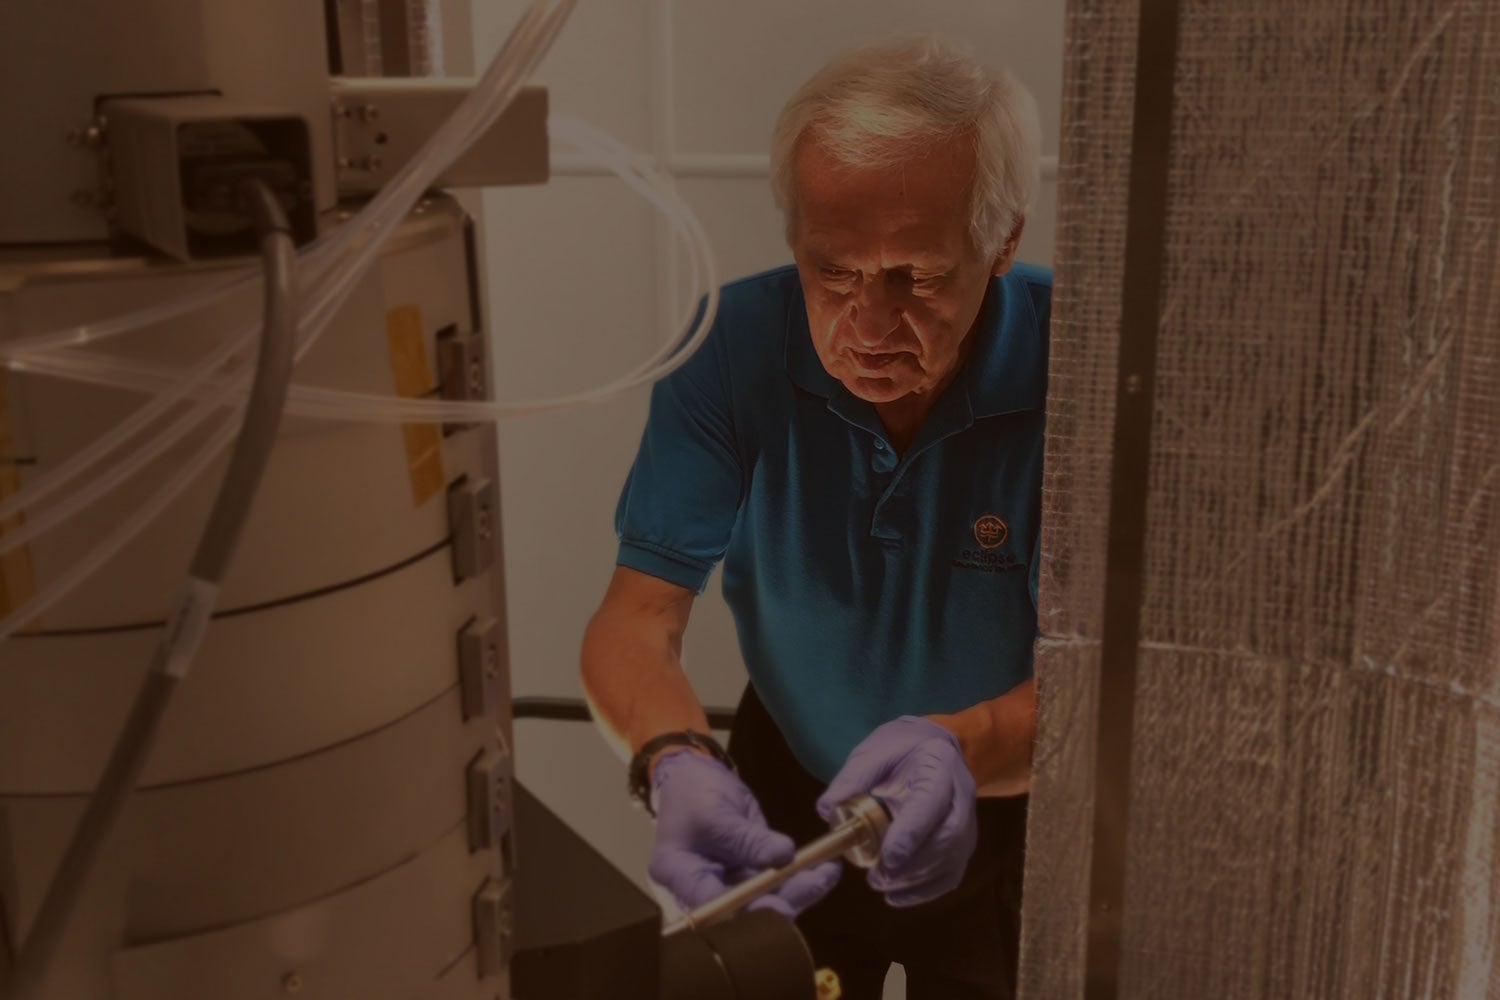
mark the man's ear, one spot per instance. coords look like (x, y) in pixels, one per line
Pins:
(1007, 255)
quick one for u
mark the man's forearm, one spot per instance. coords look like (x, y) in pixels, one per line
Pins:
(634, 682)
(996, 737)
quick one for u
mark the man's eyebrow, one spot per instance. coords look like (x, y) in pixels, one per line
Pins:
(931, 263)
(927, 268)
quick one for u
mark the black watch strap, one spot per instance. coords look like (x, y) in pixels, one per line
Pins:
(640, 764)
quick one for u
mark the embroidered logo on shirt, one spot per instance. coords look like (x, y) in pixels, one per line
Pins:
(991, 532)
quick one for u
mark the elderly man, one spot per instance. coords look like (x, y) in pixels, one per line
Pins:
(860, 441)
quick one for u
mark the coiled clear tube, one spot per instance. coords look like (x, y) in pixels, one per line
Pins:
(333, 276)
(338, 404)
(214, 392)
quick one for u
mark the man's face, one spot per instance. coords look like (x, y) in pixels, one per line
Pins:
(892, 280)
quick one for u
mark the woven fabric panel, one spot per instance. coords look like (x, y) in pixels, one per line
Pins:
(1317, 753)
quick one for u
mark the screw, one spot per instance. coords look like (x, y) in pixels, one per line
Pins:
(476, 378)
(369, 113)
(1133, 384)
(292, 982)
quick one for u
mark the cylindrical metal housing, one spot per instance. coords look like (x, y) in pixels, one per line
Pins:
(305, 816)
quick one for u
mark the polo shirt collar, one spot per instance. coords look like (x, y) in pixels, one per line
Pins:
(1006, 370)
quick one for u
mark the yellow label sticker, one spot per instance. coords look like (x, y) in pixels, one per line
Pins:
(424, 442)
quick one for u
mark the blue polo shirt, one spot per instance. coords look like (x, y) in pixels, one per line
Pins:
(863, 587)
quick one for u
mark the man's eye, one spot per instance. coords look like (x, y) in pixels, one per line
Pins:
(837, 273)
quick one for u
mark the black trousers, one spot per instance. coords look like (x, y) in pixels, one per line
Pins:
(963, 945)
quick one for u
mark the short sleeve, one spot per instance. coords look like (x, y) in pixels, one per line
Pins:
(683, 493)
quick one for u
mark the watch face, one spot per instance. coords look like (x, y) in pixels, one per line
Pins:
(639, 773)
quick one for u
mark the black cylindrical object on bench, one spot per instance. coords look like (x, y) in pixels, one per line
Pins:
(759, 954)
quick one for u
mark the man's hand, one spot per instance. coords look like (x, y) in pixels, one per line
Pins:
(916, 767)
(711, 834)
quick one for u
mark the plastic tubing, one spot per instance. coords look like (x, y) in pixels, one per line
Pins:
(107, 444)
(512, 64)
(127, 529)
(337, 404)
(325, 258)
(473, 115)
(334, 404)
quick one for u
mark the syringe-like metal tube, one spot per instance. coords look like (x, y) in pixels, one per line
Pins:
(859, 826)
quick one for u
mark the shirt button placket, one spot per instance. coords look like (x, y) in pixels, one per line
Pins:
(883, 461)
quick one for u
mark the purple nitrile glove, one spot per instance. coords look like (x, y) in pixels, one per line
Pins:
(916, 768)
(711, 834)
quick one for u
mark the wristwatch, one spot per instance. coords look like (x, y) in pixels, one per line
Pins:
(640, 764)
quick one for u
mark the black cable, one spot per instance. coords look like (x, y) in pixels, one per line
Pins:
(577, 710)
(175, 653)
(248, 609)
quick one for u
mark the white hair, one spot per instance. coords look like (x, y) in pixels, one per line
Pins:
(880, 104)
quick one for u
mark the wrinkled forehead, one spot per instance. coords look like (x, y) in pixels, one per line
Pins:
(918, 203)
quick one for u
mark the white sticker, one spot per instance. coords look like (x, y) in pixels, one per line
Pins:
(188, 623)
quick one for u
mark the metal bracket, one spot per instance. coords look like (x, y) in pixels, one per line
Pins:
(462, 371)
(473, 521)
(489, 801)
(494, 922)
(380, 124)
(481, 668)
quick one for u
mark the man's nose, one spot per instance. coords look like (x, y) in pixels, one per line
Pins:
(875, 313)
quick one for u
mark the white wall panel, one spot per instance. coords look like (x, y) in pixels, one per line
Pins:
(1041, 225)
(741, 221)
(598, 68)
(571, 305)
(571, 284)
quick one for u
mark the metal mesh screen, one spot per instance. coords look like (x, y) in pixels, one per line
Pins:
(1316, 764)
